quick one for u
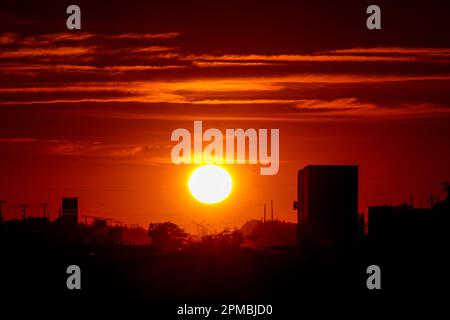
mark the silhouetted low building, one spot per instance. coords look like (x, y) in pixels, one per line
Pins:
(406, 224)
(100, 223)
(402, 223)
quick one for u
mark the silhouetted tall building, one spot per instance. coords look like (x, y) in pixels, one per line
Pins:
(69, 210)
(327, 207)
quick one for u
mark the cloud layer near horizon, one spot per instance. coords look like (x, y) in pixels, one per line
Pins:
(151, 77)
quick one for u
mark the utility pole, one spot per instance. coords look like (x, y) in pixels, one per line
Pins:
(44, 205)
(86, 219)
(198, 230)
(271, 209)
(411, 201)
(1, 210)
(24, 210)
(264, 213)
(433, 200)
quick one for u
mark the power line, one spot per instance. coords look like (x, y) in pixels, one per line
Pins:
(140, 189)
(131, 214)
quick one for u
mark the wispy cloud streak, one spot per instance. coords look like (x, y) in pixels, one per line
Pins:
(152, 68)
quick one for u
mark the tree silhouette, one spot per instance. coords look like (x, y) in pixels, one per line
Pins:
(166, 234)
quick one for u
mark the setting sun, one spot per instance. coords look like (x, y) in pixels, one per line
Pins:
(210, 184)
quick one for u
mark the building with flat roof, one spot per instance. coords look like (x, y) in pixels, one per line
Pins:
(327, 205)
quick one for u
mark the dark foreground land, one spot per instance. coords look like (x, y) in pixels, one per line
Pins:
(288, 278)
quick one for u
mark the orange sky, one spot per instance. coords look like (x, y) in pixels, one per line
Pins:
(90, 113)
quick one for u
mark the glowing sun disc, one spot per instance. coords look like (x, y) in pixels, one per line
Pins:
(210, 184)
